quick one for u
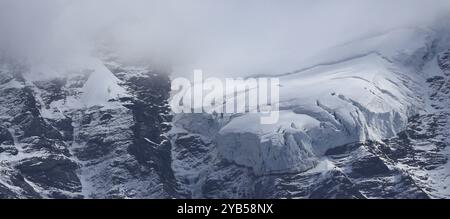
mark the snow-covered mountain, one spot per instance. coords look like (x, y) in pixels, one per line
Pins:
(368, 119)
(94, 130)
(349, 127)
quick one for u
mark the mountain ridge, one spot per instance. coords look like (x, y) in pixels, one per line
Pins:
(369, 127)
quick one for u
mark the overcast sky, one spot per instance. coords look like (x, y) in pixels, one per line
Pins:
(220, 36)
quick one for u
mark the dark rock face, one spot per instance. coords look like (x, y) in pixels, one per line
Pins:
(37, 157)
(151, 115)
(52, 172)
(14, 178)
(193, 147)
(374, 174)
(28, 118)
(54, 90)
(369, 166)
(343, 188)
(64, 127)
(96, 147)
(5, 137)
(36, 144)
(444, 62)
(229, 181)
(8, 150)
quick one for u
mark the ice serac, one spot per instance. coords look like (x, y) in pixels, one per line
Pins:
(278, 148)
(344, 99)
(352, 125)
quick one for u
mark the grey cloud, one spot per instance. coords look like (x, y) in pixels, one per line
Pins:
(219, 36)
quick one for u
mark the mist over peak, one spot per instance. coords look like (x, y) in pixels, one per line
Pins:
(220, 37)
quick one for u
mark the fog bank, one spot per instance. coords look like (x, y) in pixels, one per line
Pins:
(222, 37)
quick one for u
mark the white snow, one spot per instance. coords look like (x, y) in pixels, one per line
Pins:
(101, 87)
(363, 90)
(281, 147)
(12, 84)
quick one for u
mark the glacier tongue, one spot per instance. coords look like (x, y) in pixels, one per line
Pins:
(344, 99)
(279, 148)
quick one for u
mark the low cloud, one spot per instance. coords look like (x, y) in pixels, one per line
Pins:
(232, 37)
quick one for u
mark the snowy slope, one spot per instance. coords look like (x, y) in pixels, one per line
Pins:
(368, 97)
(76, 130)
(364, 91)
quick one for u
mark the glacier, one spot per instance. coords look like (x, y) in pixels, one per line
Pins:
(319, 113)
(363, 91)
(366, 119)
